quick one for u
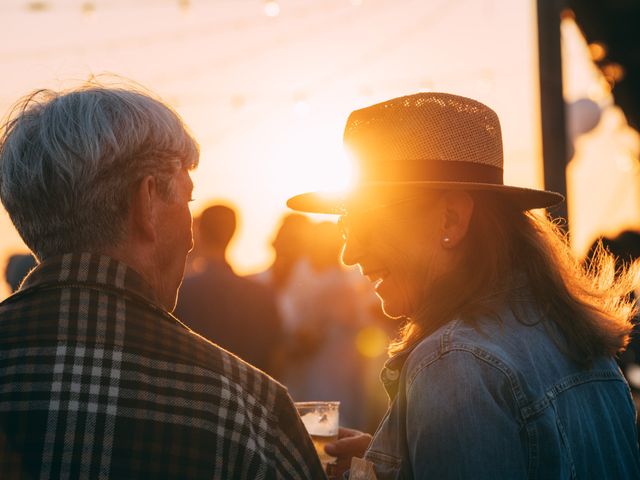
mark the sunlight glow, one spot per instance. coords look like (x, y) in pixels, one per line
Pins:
(372, 341)
(269, 100)
(627, 163)
(307, 163)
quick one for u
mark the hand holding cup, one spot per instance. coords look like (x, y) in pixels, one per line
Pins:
(350, 443)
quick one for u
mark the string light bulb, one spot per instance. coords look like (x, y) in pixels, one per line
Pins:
(37, 6)
(271, 8)
(598, 51)
(88, 8)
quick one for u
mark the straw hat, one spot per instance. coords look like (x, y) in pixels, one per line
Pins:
(427, 140)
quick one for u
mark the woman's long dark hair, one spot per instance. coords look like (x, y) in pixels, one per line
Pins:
(504, 245)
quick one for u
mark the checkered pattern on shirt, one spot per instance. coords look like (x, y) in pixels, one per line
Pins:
(98, 385)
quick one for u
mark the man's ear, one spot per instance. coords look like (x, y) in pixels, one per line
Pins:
(456, 215)
(142, 208)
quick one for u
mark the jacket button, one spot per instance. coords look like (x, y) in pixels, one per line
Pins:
(391, 375)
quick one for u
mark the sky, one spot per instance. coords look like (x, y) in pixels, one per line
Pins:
(267, 96)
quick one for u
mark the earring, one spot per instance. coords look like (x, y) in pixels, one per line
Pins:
(446, 241)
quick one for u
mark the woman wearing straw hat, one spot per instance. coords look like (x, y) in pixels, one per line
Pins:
(504, 364)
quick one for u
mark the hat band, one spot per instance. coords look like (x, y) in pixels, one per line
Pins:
(433, 171)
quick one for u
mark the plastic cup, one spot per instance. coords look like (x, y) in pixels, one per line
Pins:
(321, 420)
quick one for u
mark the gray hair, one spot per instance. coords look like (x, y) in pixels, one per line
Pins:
(69, 162)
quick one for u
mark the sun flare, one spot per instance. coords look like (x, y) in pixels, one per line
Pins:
(307, 162)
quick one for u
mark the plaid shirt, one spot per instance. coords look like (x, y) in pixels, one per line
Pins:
(98, 381)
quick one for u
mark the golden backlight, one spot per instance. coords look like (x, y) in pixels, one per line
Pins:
(267, 92)
(310, 163)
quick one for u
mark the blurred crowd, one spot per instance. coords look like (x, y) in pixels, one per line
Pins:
(306, 320)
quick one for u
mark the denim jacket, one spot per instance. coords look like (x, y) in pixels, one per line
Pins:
(500, 400)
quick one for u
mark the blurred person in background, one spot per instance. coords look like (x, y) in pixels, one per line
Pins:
(323, 362)
(323, 307)
(504, 366)
(18, 266)
(97, 378)
(290, 247)
(234, 312)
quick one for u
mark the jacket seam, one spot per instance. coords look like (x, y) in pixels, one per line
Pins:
(488, 359)
(385, 458)
(535, 407)
(444, 338)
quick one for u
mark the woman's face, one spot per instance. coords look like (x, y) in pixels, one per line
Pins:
(398, 248)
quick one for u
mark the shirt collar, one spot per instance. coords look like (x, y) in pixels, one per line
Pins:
(89, 268)
(390, 375)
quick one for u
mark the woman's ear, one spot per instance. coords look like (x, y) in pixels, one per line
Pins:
(456, 216)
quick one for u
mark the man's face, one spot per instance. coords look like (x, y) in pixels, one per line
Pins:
(397, 247)
(175, 237)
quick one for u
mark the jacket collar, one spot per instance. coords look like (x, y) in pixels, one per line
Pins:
(89, 268)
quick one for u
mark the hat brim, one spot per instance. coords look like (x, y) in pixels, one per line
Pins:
(338, 203)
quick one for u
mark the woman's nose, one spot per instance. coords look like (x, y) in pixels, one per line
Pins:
(351, 251)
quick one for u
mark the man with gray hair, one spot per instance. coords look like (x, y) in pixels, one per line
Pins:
(97, 378)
